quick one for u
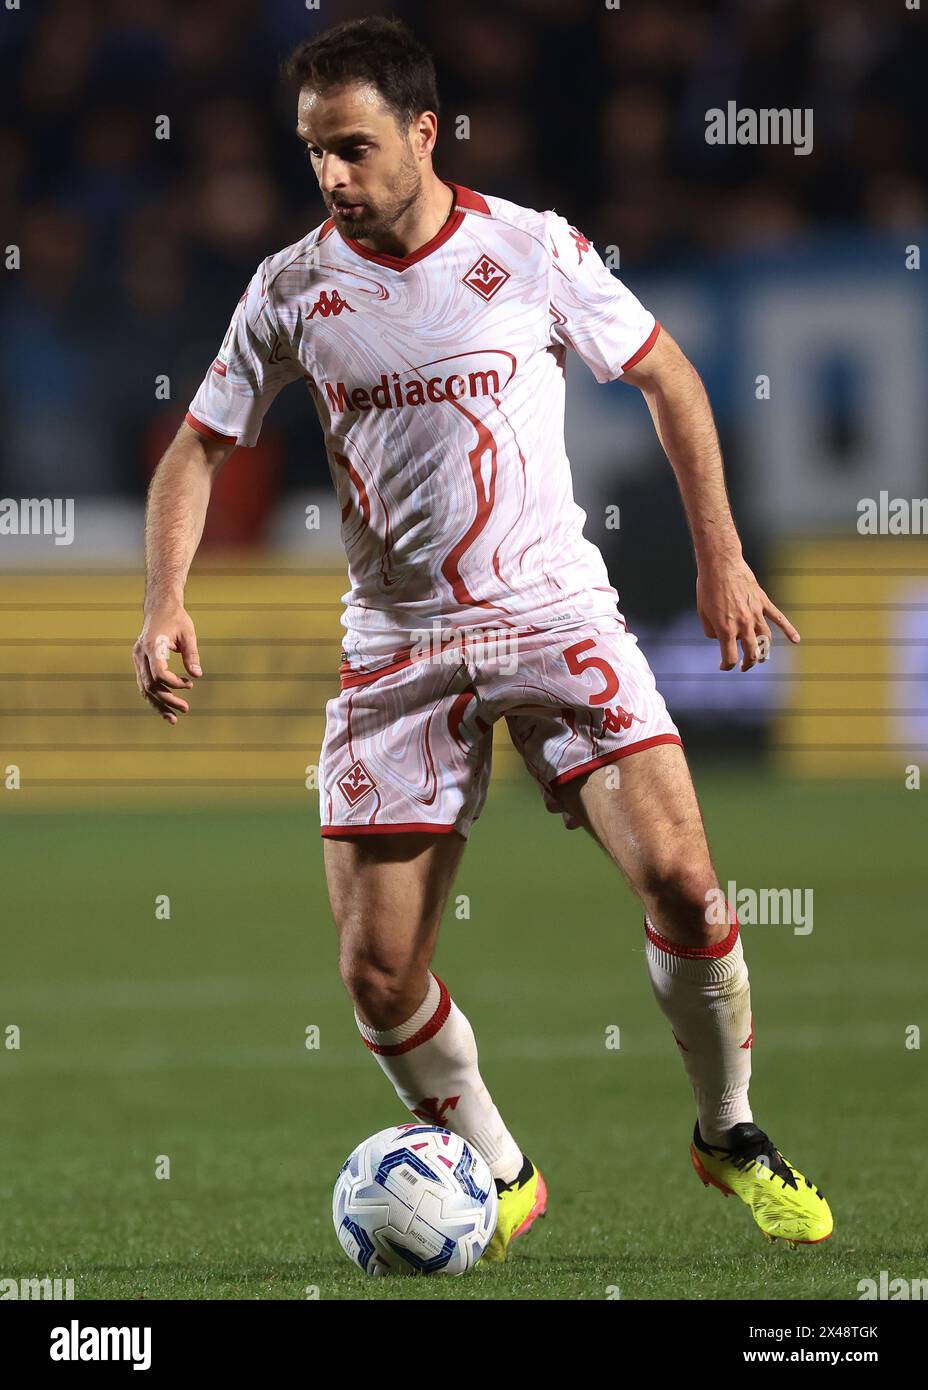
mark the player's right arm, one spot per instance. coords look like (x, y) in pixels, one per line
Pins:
(251, 367)
(174, 520)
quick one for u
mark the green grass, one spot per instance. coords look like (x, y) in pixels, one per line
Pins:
(185, 1038)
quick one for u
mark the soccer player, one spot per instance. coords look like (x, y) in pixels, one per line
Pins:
(431, 326)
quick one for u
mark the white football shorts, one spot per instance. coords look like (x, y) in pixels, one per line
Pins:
(408, 743)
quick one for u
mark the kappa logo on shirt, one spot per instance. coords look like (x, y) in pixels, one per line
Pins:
(356, 783)
(485, 277)
(329, 302)
(581, 242)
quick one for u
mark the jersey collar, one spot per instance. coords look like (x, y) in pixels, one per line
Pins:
(465, 200)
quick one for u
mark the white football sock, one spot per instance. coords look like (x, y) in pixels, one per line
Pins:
(432, 1061)
(706, 997)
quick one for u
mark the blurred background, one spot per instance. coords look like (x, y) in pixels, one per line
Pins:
(787, 277)
(163, 969)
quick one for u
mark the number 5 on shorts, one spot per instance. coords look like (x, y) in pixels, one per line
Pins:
(576, 667)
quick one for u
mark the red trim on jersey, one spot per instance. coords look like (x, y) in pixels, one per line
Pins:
(465, 200)
(721, 948)
(327, 226)
(470, 201)
(404, 262)
(456, 713)
(398, 829)
(614, 756)
(645, 348)
(207, 431)
(363, 500)
(428, 1030)
(486, 500)
(349, 681)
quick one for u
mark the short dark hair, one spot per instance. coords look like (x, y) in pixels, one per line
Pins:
(383, 52)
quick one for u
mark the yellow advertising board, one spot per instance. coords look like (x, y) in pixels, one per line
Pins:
(856, 704)
(75, 730)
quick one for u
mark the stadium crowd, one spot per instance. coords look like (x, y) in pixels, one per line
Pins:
(134, 249)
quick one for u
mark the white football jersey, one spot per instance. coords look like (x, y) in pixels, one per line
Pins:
(438, 379)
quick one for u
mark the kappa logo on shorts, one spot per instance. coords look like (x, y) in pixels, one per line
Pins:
(355, 784)
(614, 720)
(485, 277)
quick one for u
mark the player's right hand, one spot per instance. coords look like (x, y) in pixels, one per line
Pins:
(165, 631)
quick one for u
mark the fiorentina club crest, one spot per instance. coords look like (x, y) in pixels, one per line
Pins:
(485, 278)
(432, 1110)
(356, 783)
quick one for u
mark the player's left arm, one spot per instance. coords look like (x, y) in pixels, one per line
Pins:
(731, 604)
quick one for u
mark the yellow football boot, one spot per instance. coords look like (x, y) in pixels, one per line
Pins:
(784, 1204)
(519, 1204)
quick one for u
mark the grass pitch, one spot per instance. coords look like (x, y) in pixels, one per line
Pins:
(186, 1039)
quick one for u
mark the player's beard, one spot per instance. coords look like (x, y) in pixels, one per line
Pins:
(378, 220)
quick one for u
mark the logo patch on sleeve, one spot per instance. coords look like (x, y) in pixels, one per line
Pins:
(355, 784)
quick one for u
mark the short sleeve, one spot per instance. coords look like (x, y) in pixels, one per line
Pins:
(589, 309)
(253, 364)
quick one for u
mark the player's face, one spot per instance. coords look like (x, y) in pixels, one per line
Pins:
(369, 170)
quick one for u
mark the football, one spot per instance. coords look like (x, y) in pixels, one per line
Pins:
(415, 1199)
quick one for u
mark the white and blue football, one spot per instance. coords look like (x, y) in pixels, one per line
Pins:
(415, 1199)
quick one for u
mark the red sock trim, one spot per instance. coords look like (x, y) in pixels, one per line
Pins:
(428, 1030)
(721, 948)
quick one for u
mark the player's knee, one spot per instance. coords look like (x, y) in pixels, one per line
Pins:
(383, 992)
(680, 893)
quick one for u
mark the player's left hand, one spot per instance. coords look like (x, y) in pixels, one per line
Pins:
(733, 608)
